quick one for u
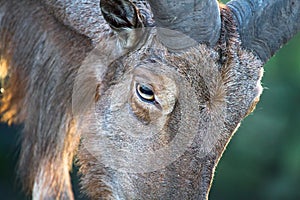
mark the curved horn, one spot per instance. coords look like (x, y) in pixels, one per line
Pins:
(264, 26)
(199, 19)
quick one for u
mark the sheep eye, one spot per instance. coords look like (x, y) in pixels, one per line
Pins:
(145, 92)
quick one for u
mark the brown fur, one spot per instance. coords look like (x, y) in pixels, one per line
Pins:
(43, 57)
(231, 95)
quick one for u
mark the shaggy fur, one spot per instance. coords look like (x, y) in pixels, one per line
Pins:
(42, 55)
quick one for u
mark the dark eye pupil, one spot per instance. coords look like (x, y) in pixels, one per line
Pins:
(145, 90)
(145, 93)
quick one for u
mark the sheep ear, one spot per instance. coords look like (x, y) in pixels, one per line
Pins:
(121, 14)
(123, 17)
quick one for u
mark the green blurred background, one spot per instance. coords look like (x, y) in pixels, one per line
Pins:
(262, 161)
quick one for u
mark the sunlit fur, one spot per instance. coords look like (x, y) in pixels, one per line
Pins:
(42, 57)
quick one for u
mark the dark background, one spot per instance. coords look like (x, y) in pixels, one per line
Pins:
(262, 161)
